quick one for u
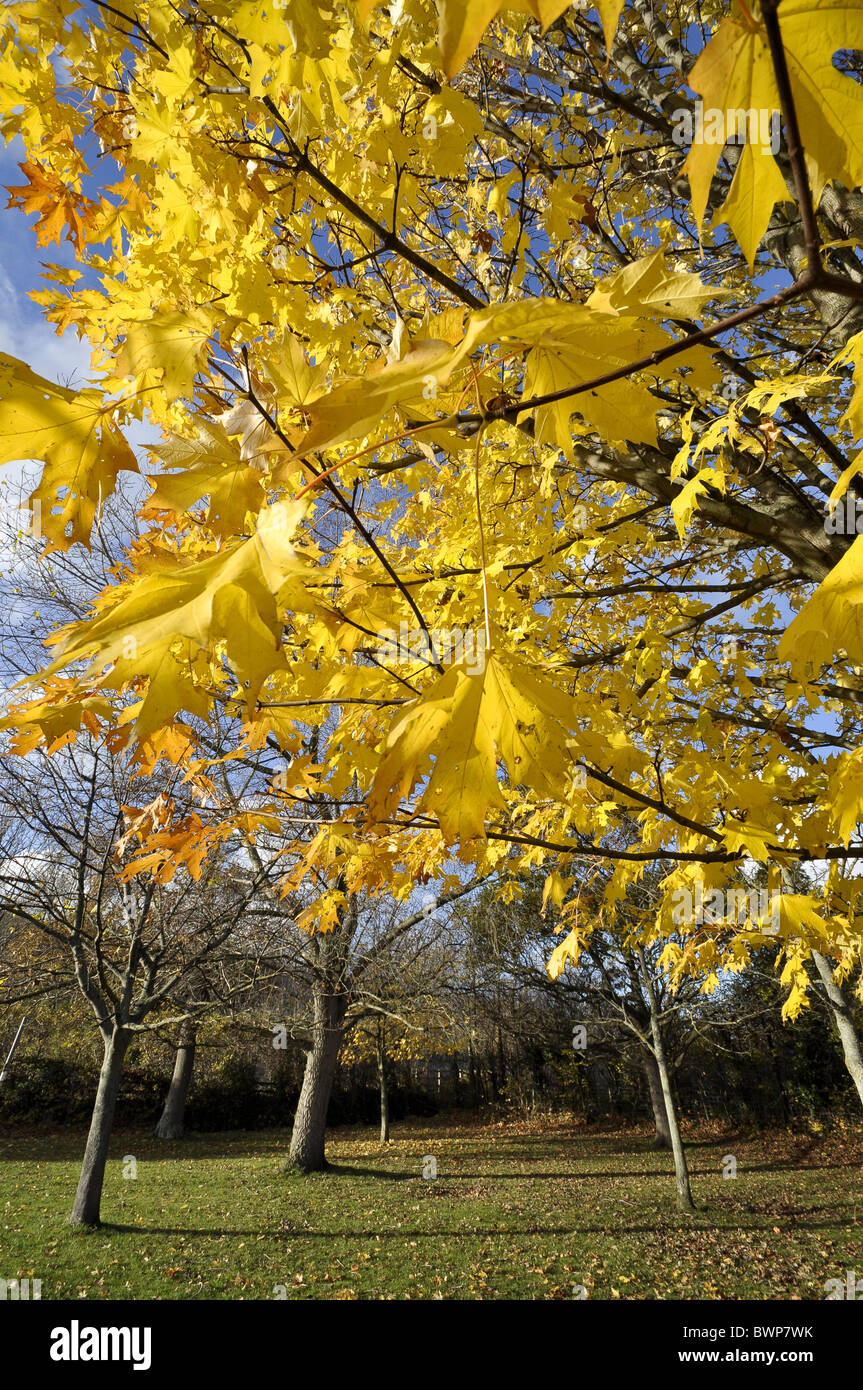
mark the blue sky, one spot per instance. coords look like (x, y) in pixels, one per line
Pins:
(23, 331)
(25, 334)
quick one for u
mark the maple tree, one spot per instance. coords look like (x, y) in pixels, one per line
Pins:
(138, 951)
(445, 331)
(618, 991)
(401, 985)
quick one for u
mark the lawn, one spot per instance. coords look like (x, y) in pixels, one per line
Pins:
(521, 1210)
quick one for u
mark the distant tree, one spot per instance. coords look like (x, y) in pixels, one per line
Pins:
(134, 945)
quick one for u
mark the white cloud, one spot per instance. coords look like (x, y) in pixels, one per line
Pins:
(23, 335)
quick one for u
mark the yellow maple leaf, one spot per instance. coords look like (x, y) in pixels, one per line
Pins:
(568, 950)
(463, 22)
(350, 409)
(170, 687)
(647, 287)
(53, 720)
(832, 620)
(464, 723)
(846, 794)
(230, 599)
(155, 138)
(75, 435)
(735, 74)
(756, 188)
(686, 500)
(172, 342)
(570, 344)
(233, 492)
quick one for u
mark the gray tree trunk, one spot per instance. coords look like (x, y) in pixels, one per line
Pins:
(171, 1123)
(88, 1198)
(848, 1034)
(384, 1088)
(681, 1172)
(657, 1101)
(310, 1121)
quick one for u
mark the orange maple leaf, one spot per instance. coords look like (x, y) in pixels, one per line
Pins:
(58, 206)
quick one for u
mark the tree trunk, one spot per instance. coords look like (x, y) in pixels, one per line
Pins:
(310, 1121)
(85, 1211)
(848, 1034)
(172, 1120)
(657, 1101)
(382, 1083)
(773, 1052)
(474, 1075)
(681, 1172)
(501, 1058)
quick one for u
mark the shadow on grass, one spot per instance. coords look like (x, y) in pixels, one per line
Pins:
(47, 1150)
(690, 1223)
(577, 1174)
(67, 1145)
(347, 1170)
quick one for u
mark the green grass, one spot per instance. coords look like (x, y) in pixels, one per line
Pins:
(519, 1210)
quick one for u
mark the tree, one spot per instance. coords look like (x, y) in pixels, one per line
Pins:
(459, 451)
(795, 878)
(681, 1171)
(136, 947)
(402, 985)
(848, 1035)
(347, 978)
(171, 1122)
(618, 990)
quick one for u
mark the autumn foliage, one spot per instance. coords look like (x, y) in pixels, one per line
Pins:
(444, 331)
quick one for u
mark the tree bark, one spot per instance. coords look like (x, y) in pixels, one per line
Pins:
(88, 1198)
(310, 1121)
(681, 1172)
(171, 1123)
(501, 1058)
(382, 1083)
(474, 1074)
(657, 1101)
(848, 1034)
